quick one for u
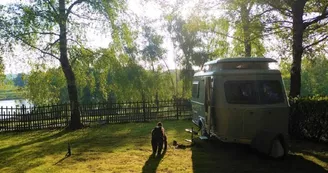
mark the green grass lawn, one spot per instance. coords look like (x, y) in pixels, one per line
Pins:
(10, 94)
(126, 148)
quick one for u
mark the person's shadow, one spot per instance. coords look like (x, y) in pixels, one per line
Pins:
(152, 163)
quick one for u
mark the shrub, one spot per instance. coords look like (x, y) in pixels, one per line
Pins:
(309, 118)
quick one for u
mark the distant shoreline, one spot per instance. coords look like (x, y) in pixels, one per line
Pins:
(12, 98)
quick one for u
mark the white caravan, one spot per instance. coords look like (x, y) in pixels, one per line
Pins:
(242, 100)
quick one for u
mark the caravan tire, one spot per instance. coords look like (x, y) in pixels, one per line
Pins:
(277, 149)
(202, 128)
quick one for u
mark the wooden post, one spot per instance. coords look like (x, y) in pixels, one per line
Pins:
(66, 113)
(137, 111)
(2, 118)
(144, 110)
(5, 113)
(27, 119)
(130, 112)
(178, 105)
(17, 123)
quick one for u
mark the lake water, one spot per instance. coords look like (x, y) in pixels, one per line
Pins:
(14, 103)
(5, 108)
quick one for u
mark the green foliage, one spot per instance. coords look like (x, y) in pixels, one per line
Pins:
(313, 80)
(36, 24)
(152, 51)
(45, 87)
(186, 39)
(313, 70)
(217, 30)
(101, 76)
(243, 18)
(308, 23)
(309, 118)
(314, 24)
(183, 37)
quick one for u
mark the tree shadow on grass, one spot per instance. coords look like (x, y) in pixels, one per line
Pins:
(62, 159)
(42, 139)
(49, 148)
(30, 154)
(216, 156)
(152, 163)
(13, 154)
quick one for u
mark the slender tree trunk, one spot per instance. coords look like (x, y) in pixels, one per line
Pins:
(169, 72)
(297, 31)
(75, 122)
(246, 32)
(2, 68)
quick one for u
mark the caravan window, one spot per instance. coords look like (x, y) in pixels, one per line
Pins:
(240, 92)
(254, 92)
(270, 92)
(195, 89)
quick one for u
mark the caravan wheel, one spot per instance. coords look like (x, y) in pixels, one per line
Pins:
(277, 149)
(202, 128)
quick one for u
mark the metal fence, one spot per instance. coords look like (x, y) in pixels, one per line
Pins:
(57, 116)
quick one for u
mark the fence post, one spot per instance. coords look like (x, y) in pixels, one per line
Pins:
(20, 116)
(144, 109)
(29, 118)
(2, 118)
(66, 113)
(13, 118)
(178, 105)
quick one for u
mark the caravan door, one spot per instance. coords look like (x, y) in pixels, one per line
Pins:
(209, 104)
(197, 100)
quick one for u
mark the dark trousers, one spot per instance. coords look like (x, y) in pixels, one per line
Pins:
(157, 145)
(165, 143)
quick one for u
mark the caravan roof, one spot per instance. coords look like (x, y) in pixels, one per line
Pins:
(236, 60)
(239, 63)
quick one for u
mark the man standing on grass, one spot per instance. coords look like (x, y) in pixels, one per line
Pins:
(158, 138)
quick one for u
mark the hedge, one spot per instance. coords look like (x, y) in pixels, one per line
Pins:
(309, 118)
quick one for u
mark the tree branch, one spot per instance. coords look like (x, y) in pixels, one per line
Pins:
(265, 35)
(226, 35)
(278, 21)
(30, 45)
(323, 15)
(34, 47)
(275, 4)
(85, 17)
(317, 27)
(282, 24)
(51, 44)
(69, 10)
(260, 14)
(41, 33)
(249, 7)
(315, 43)
(75, 41)
(53, 8)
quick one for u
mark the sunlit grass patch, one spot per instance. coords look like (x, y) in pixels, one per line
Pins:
(114, 147)
(126, 148)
